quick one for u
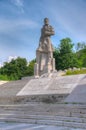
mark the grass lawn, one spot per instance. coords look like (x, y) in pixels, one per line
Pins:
(74, 72)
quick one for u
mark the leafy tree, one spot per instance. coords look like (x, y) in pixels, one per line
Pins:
(30, 69)
(15, 69)
(81, 55)
(66, 46)
(80, 46)
(64, 55)
(56, 55)
(67, 61)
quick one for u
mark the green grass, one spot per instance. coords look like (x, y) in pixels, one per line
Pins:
(74, 72)
(4, 77)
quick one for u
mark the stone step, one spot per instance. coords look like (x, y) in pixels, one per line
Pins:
(81, 111)
(27, 126)
(60, 111)
(46, 122)
(65, 124)
(43, 109)
(44, 117)
(67, 114)
(57, 105)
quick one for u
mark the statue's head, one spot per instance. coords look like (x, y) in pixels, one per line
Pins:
(46, 21)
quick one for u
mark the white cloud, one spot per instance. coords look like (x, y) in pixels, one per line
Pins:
(11, 57)
(19, 4)
(1, 65)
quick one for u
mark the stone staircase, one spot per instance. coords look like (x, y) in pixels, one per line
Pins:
(45, 109)
(65, 115)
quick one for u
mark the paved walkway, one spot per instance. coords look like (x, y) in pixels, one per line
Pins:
(23, 126)
(3, 82)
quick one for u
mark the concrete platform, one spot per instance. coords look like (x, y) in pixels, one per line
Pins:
(55, 89)
(56, 85)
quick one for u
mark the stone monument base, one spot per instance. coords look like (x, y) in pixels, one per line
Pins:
(51, 86)
(47, 88)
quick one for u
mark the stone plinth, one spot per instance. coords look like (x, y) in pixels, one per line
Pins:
(56, 85)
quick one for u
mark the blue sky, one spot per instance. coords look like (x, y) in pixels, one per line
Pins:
(21, 21)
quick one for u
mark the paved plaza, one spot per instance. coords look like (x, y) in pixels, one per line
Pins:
(23, 126)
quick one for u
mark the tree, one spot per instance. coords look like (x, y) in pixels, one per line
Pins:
(30, 69)
(81, 55)
(56, 55)
(15, 69)
(80, 46)
(64, 55)
(66, 46)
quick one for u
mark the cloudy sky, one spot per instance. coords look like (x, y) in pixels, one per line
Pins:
(21, 21)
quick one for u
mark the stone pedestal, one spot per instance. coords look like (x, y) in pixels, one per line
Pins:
(36, 70)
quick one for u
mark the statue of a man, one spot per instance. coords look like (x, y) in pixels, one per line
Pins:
(47, 31)
(45, 63)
